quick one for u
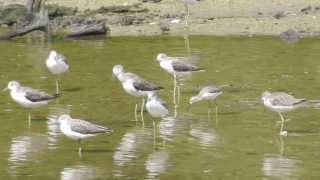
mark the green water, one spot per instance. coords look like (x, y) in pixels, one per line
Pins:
(244, 144)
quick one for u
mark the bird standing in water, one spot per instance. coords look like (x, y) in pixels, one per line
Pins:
(57, 64)
(135, 86)
(281, 102)
(28, 97)
(208, 93)
(78, 129)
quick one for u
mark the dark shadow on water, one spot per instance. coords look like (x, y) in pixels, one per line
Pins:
(74, 89)
(228, 113)
(97, 151)
(38, 118)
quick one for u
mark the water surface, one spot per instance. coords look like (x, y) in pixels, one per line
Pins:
(243, 144)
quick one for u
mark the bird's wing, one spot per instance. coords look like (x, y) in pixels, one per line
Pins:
(210, 89)
(37, 96)
(182, 66)
(143, 85)
(85, 127)
(284, 99)
(62, 58)
(163, 103)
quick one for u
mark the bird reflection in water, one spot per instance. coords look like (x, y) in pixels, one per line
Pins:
(53, 124)
(132, 144)
(80, 172)
(280, 166)
(157, 163)
(205, 135)
(24, 149)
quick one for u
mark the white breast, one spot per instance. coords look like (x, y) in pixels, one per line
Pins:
(167, 66)
(57, 67)
(66, 130)
(156, 109)
(20, 98)
(129, 88)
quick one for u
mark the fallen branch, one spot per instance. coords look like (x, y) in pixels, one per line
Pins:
(22, 32)
(88, 30)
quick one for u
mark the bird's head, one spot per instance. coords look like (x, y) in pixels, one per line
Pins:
(161, 57)
(151, 94)
(64, 118)
(117, 70)
(193, 100)
(265, 95)
(53, 54)
(12, 85)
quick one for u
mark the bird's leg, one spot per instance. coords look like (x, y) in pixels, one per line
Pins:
(282, 133)
(174, 88)
(154, 133)
(175, 111)
(216, 113)
(79, 148)
(136, 112)
(57, 86)
(209, 110)
(141, 111)
(178, 89)
(29, 120)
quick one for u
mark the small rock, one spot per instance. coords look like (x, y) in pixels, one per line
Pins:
(280, 15)
(164, 28)
(55, 11)
(306, 10)
(290, 36)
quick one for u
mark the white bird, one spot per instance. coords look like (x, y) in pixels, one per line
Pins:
(57, 64)
(208, 93)
(28, 97)
(281, 102)
(78, 129)
(176, 66)
(134, 85)
(156, 107)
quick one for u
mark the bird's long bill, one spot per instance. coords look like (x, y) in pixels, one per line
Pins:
(5, 89)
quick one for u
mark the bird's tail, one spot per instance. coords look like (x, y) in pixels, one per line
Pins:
(200, 70)
(314, 104)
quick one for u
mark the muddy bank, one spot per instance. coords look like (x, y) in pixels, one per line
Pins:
(156, 17)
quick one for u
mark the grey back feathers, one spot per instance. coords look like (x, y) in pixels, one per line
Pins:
(37, 96)
(143, 85)
(85, 127)
(181, 66)
(211, 89)
(284, 99)
(60, 57)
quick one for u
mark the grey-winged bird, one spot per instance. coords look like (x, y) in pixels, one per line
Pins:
(281, 102)
(57, 64)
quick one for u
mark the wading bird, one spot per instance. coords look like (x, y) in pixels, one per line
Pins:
(78, 129)
(57, 64)
(135, 86)
(281, 102)
(28, 97)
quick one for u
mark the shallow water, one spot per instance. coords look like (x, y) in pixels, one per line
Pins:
(242, 144)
